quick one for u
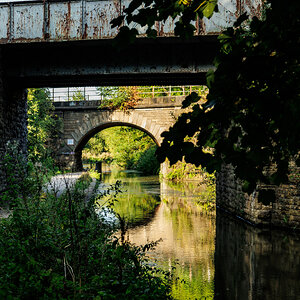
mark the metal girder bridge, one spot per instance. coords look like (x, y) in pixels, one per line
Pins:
(69, 43)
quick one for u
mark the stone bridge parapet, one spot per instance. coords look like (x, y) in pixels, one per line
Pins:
(83, 119)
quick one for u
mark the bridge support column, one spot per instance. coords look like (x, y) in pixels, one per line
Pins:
(13, 120)
(164, 169)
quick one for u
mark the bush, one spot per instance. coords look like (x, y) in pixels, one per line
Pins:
(58, 247)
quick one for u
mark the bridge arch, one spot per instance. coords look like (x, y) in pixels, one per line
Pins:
(84, 140)
(81, 125)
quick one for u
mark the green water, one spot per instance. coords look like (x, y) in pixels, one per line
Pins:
(216, 256)
(156, 210)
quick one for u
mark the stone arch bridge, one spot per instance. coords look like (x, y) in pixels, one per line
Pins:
(83, 119)
(59, 43)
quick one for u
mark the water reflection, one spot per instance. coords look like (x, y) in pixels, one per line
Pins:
(187, 233)
(252, 263)
(217, 257)
(140, 196)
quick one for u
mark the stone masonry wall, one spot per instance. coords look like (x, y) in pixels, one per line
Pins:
(80, 125)
(2, 128)
(13, 119)
(284, 212)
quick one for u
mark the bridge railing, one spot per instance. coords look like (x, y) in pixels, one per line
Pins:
(92, 94)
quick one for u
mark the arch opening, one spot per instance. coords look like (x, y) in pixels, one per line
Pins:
(121, 144)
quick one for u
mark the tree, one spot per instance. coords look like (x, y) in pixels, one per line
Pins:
(118, 97)
(128, 152)
(251, 118)
(42, 126)
(127, 147)
(77, 95)
(146, 12)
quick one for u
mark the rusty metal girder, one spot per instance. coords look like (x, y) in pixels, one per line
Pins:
(40, 20)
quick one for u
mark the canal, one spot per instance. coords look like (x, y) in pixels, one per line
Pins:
(214, 255)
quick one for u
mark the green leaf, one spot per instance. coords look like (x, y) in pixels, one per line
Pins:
(210, 77)
(209, 8)
(125, 37)
(151, 33)
(248, 186)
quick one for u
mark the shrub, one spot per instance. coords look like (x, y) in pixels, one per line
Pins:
(58, 247)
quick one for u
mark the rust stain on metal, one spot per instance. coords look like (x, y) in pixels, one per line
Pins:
(84, 35)
(202, 28)
(117, 7)
(58, 20)
(46, 23)
(238, 11)
(157, 28)
(197, 25)
(10, 22)
(3, 41)
(25, 40)
(8, 29)
(96, 32)
(68, 20)
(254, 11)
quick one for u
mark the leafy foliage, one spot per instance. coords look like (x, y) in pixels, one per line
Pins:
(42, 124)
(146, 13)
(147, 162)
(58, 247)
(115, 97)
(125, 147)
(251, 117)
(96, 150)
(77, 95)
(126, 97)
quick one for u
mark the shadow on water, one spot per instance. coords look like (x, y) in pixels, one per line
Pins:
(252, 263)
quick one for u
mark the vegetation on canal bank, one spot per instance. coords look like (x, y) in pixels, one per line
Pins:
(189, 177)
(43, 126)
(58, 247)
(200, 195)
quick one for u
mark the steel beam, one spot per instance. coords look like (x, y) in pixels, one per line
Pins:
(164, 61)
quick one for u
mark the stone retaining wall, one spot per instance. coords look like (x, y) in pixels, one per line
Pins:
(284, 212)
(13, 120)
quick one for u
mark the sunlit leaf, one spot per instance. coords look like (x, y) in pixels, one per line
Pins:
(209, 8)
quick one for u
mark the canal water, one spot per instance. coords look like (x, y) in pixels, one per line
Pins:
(216, 257)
